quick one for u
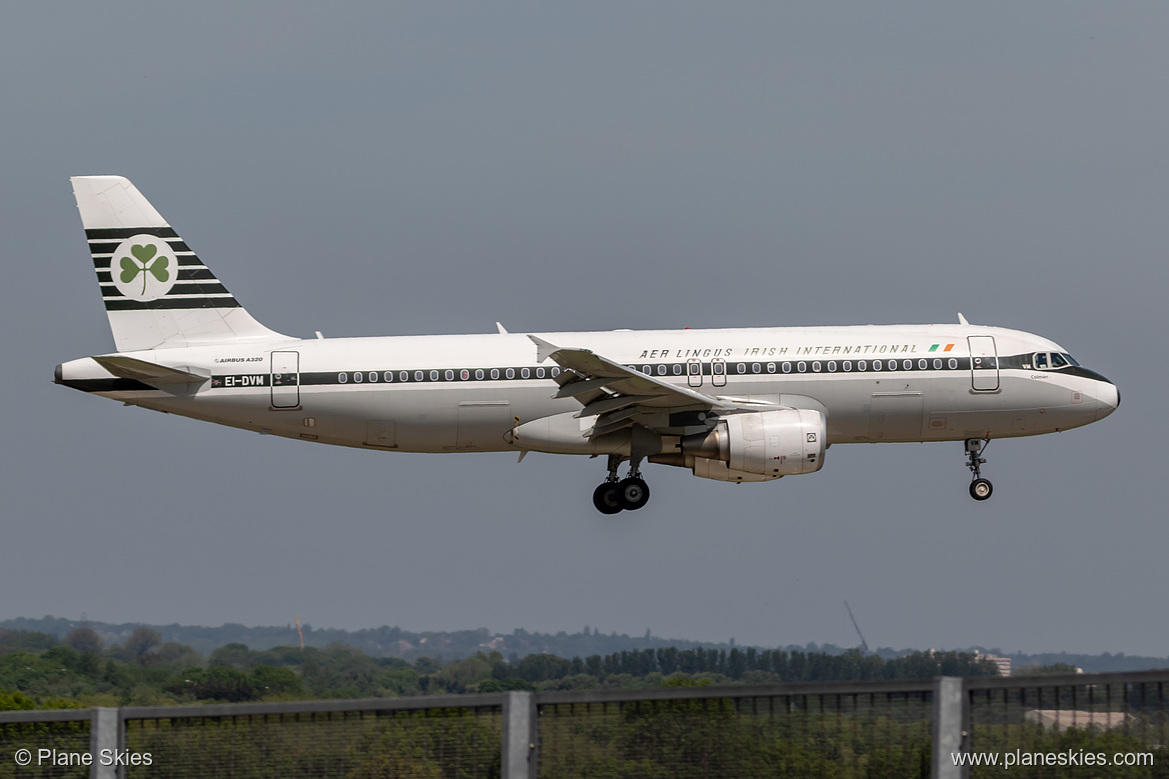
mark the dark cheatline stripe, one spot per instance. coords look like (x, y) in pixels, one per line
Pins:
(169, 303)
(262, 378)
(122, 233)
(178, 289)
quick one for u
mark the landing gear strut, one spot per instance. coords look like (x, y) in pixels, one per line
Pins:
(616, 494)
(980, 488)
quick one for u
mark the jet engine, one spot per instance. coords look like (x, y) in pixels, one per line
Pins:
(754, 446)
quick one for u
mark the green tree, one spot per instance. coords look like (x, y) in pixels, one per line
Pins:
(141, 641)
(84, 640)
(269, 680)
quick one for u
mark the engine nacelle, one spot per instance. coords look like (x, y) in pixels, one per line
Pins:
(754, 447)
(778, 443)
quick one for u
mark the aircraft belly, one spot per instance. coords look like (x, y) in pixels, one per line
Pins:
(432, 420)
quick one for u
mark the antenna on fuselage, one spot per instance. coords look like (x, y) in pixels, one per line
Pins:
(962, 319)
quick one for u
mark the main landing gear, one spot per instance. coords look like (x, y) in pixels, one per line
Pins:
(615, 495)
(980, 488)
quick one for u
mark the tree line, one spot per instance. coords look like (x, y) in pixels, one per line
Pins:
(37, 669)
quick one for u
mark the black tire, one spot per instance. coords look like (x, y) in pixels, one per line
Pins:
(632, 494)
(980, 489)
(605, 498)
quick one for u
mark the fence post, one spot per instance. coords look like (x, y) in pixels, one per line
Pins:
(519, 757)
(103, 735)
(950, 727)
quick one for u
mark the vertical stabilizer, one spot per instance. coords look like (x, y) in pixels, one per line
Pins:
(158, 294)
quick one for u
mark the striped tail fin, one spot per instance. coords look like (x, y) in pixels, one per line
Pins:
(158, 294)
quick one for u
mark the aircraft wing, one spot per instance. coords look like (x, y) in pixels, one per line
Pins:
(615, 393)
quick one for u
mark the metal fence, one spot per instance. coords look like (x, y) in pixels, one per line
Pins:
(864, 730)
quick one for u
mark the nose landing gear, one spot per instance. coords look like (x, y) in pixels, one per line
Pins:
(614, 495)
(980, 488)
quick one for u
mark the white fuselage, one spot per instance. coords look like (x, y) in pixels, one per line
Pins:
(452, 393)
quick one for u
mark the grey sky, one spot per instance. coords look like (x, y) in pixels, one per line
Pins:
(376, 169)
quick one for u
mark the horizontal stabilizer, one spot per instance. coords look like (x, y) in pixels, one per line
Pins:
(149, 373)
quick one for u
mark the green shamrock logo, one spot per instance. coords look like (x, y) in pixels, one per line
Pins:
(145, 261)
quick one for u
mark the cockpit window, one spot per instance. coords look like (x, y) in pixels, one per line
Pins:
(1052, 361)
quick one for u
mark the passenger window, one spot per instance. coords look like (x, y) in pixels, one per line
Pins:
(479, 374)
(450, 375)
(771, 367)
(418, 376)
(403, 376)
(832, 366)
(847, 365)
(876, 365)
(756, 367)
(511, 373)
(923, 364)
(677, 369)
(388, 375)
(953, 363)
(862, 365)
(372, 376)
(661, 370)
(495, 373)
(787, 367)
(357, 377)
(539, 373)
(892, 365)
(801, 367)
(816, 366)
(741, 368)
(526, 373)
(937, 364)
(434, 375)
(464, 374)
(907, 364)
(342, 377)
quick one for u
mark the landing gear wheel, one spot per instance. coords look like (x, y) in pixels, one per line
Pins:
(605, 498)
(632, 493)
(980, 489)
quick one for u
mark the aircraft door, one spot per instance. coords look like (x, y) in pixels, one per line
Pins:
(718, 372)
(694, 372)
(285, 379)
(984, 363)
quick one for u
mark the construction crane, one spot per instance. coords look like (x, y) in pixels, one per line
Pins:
(864, 644)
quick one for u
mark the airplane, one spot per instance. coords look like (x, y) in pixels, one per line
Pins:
(731, 405)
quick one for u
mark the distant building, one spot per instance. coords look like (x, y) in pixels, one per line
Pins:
(1062, 719)
(1003, 663)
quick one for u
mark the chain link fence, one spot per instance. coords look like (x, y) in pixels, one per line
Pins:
(864, 730)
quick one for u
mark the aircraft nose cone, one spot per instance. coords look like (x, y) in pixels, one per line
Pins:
(1107, 398)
